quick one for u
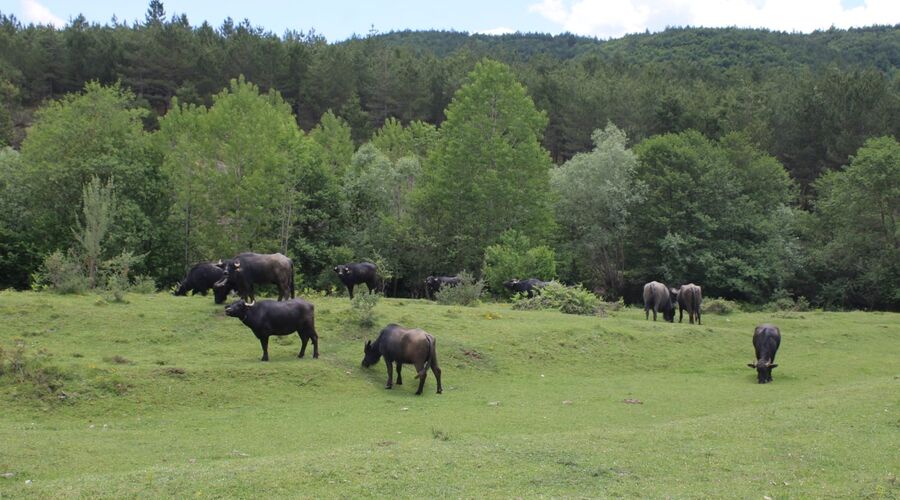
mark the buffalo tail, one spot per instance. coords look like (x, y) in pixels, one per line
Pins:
(424, 369)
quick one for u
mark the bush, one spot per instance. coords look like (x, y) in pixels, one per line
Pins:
(31, 374)
(566, 299)
(60, 273)
(143, 284)
(467, 293)
(719, 306)
(782, 301)
(362, 308)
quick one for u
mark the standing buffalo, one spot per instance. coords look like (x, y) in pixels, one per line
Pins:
(355, 273)
(659, 298)
(766, 339)
(201, 278)
(249, 269)
(528, 287)
(268, 317)
(689, 297)
(404, 345)
(433, 284)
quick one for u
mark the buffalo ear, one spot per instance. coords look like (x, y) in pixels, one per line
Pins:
(751, 365)
(773, 366)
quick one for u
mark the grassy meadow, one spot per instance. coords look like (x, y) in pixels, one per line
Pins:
(166, 396)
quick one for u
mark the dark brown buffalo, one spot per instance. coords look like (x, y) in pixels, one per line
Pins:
(766, 339)
(268, 317)
(249, 269)
(659, 298)
(404, 345)
(689, 297)
(356, 273)
(433, 284)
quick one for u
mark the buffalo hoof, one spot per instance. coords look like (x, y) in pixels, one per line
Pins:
(316, 356)
(440, 391)
(418, 393)
(389, 387)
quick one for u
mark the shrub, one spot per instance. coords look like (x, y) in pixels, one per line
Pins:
(782, 301)
(362, 308)
(566, 299)
(60, 273)
(30, 374)
(719, 306)
(467, 293)
(143, 284)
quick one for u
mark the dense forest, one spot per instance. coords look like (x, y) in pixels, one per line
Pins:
(758, 164)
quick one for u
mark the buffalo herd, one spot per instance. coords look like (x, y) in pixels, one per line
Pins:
(396, 344)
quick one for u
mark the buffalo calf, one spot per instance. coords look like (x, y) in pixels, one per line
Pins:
(404, 345)
(766, 339)
(268, 317)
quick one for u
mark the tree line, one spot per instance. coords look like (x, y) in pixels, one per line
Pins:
(562, 156)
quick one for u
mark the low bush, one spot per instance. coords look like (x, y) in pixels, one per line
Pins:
(719, 306)
(362, 308)
(566, 299)
(467, 293)
(60, 273)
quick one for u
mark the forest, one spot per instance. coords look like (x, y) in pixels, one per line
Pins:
(761, 165)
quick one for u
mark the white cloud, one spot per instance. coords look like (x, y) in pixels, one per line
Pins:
(33, 12)
(497, 31)
(614, 18)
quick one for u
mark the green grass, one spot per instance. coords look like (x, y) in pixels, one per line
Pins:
(166, 396)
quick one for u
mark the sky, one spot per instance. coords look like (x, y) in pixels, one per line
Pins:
(338, 20)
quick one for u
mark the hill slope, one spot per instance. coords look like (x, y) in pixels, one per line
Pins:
(165, 396)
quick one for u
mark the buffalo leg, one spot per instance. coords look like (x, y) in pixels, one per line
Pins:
(422, 374)
(646, 312)
(436, 370)
(390, 370)
(264, 342)
(350, 289)
(698, 317)
(303, 340)
(399, 379)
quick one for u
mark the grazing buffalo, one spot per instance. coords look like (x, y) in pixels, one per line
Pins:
(659, 298)
(268, 317)
(766, 339)
(200, 279)
(404, 345)
(528, 287)
(689, 297)
(434, 283)
(355, 273)
(249, 269)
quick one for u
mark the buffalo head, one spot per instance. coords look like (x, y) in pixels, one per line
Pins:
(371, 355)
(238, 309)
(763, 370)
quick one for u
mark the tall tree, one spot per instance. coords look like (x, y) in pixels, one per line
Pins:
(595, 195)
(488, 173)
(856, 248)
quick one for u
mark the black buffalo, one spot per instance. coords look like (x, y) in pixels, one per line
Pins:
(201, 278)
(404, 345)
(249, 269)
(659, 298)
(356, 273)
(766, 339)
(268, 317)
(528, 287)
(434, 283)
(689, 297)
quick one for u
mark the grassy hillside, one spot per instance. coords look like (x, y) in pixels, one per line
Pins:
(166, 396)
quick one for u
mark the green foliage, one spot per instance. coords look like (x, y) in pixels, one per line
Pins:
(488, 165)
(856, 229)
(60, 273)
(237, 171)
(715, 213)
(98, 209)
(117, 272)
(362, 307)
(98, 133)
(515, 257)
(719, 306)
(565, 299)
(32, 375)
(333, 134)
(396, 141)
(467, 293)
(595, 194)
